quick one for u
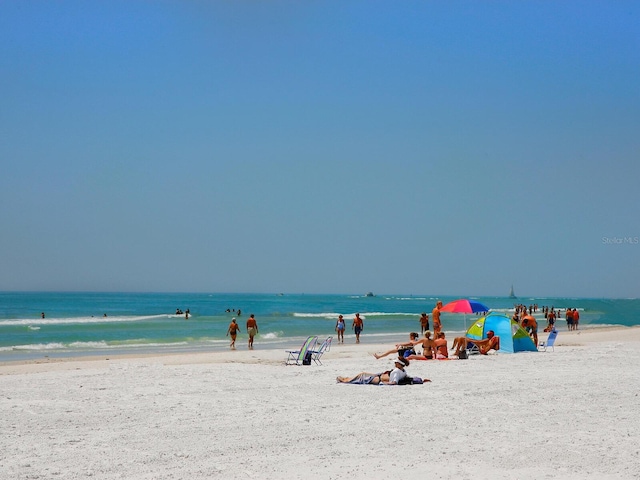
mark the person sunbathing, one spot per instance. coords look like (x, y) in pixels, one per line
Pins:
(366, 378)
(492, 342)
(428, 348)
(440, 345)
(402, 349)
(397, 376)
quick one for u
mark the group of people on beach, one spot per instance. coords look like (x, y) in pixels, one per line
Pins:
(432, 349)
(234, 328)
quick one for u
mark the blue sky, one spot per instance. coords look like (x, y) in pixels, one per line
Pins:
(446, 148)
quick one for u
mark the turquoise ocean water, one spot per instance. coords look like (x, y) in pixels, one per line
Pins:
(75, 323)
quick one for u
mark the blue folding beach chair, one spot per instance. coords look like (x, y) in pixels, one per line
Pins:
(551, 339)
(297, 357)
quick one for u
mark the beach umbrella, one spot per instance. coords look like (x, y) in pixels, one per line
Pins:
(465, 305)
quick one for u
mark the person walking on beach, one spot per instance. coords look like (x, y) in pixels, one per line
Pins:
(576, 318)
(252, 329)
(424, 323)
(435, 315)
(233, 331)
(357, 326)
(340, 328)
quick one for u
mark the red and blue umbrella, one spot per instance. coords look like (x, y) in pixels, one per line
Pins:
(465, 305)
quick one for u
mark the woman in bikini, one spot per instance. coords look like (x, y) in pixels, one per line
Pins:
(389, 377)
(365, 378)
(428, 348)
(233, 331)
(440, 344)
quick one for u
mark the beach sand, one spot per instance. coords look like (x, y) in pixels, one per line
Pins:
(572, 413)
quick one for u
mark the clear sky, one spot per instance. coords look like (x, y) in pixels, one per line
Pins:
(446, 148)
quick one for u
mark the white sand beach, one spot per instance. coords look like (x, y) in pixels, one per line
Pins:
(571, 413)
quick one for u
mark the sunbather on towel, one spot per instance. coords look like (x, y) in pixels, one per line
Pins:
(492, 342)
(366, 378)
(397, 376)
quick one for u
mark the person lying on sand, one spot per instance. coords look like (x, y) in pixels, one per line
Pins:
(397, 376)
(366, 378)
(492, 342)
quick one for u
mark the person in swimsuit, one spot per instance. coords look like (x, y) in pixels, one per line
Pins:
(576, 318)
(530, 324)
(492, 342)
(365, 378)
(357, 326)
(340, 328)
(389, 377)
(402, 349)
(424, 322)
(233, 331)
(252, 329)
(428, 348)
(440, 344)
(435, 315)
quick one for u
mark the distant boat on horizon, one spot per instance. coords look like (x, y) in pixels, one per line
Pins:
(369, 294)
(511, 294)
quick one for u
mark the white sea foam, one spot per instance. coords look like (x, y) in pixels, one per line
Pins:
(363, 315)
(271, 335)
(76, 320)
(35, 346)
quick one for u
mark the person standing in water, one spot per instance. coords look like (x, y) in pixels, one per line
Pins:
(424, 322)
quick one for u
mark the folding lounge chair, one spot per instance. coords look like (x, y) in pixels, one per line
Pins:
(296, 357)
(551, 339)
(472, 349)
(316, 354)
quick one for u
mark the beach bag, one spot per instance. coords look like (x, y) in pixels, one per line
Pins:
(406, 381)
(307, 359)
(405, 352)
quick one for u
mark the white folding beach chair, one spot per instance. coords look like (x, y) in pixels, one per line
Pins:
(325, 347)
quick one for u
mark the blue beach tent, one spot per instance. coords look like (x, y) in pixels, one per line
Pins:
(513, 338)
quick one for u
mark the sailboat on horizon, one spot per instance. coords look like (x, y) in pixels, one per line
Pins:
(511, 294)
